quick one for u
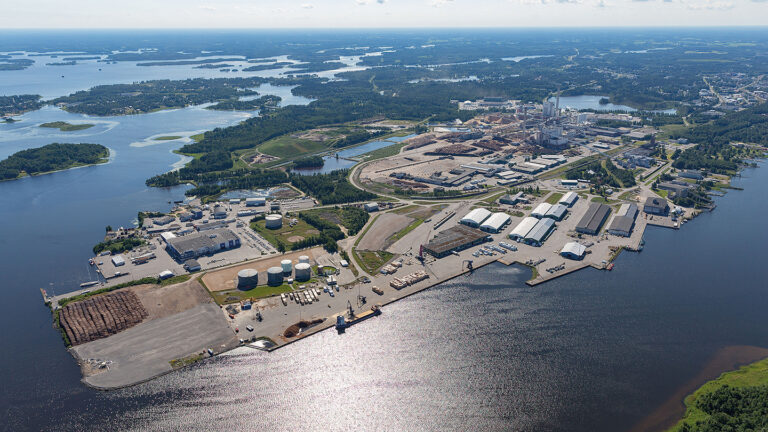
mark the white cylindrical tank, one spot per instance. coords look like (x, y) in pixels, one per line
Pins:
(275, 276)
(274, 221)
(287, 265)
(247, 278)
(304, 259)
(303, 272)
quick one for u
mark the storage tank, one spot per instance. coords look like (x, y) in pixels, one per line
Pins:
(274, 221)
(304, 259)
(303, 272)
(247, 278)
(275, 276)
(287, 266)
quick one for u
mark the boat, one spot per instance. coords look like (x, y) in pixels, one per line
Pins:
(610, 267)
(91, 262)
(88, 284)
(374, 311)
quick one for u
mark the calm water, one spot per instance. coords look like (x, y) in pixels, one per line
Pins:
(332, 163)
(593, 102)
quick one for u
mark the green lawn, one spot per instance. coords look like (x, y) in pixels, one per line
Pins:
(755, 374)
(662, 193)
(287, 146)
(372, 261)
(554, 198)
(403, 232)
(301, 229)
(383, 152)
(261, 291)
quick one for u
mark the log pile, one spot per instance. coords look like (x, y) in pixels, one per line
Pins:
(101, 316)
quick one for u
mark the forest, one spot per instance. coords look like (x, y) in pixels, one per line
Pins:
(331, 188)
(51, 157)
(19, 104)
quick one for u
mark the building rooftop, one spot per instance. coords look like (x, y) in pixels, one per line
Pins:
(621, 223)
(594, 217)
(453, 237)
(202, 240)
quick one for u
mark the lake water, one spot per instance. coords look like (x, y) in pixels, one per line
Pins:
(593, 102)
(333, 163)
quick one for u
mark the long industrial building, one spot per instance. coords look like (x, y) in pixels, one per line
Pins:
(541, 210)
(593, 219)
(475, 217)
(540, 232)
(624, 221)
(202, 243)
(456, 238)
(569, 199)
(556, 212)
(523, 228)
(495, 223)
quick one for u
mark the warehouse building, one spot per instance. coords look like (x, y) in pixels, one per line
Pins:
(202, 243)
(255, 202)
(495, 223)
(569, 199)
(593, 219)
(456, 238)
(540, 232)
(523, 228)
(556, 212)
(656, 206)
(475, 217)
(573, 250)
(371, 207)
(541, 210)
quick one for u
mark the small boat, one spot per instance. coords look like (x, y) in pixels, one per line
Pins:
(91, 262)
(88, 284)
(610, 267)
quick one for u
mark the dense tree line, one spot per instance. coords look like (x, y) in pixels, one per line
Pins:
(247, 105)
(309, 162)
(146, 96)
(732, 409)
(354, 219)
(331, 188)
(51, 157)
(19, 104)
(599, 175)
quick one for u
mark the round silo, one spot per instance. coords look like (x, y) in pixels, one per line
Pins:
(304, 259)
(303, 272)
(287, 266)
(247, 278)
(275, 276)
(274, 221)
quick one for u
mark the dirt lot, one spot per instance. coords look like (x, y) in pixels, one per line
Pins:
(168, 300)
(224, 279)
(385, 227)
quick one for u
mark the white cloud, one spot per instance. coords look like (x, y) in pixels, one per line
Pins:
(307, 6)
(440, 3)
(710, 5)
(208, 8)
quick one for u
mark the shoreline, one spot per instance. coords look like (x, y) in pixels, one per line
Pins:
(726, 359)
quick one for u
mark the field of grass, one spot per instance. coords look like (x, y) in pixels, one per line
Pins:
(554, 198)
(66, 127)
(661, 192)
(176, 279)
(371, 261)
(755, 374)
(301, 229)
(225, 297)
(383, 152)
(287, 146)
(167, 138)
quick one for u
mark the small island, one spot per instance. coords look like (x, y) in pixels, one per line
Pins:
(50, 158)
(66, 127)
(168, 138)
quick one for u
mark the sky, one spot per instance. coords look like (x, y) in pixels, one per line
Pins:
(261, 14)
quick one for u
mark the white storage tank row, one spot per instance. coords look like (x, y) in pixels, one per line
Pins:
(274, 221)
(304, 259)
(247, 278)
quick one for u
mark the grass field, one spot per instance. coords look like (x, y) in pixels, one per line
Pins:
(372, 261)
(287, 146)
(282, 235)
(755, 374)
(225, 297)
(554, 198)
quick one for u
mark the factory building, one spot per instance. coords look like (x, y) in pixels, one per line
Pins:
(495, 223)
(523, 228)
(593, 219)
(656, 206)
(512, 199)
(255, 202)
(456, 238)
(219, 212)
(624, 221)
(541, 210)
(198, 244)
(540, 232)
(475, 217)
(556, 212)
(371, 207)
(569, 199)
(573, 250)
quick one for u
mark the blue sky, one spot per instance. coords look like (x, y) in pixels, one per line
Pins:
(378, 13)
